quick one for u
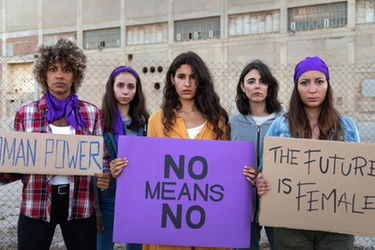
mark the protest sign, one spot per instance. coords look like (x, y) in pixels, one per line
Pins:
(39, 153)
(183, 192)
(319, 185)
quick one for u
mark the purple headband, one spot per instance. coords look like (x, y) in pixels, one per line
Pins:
(124, 68)
(310, 63)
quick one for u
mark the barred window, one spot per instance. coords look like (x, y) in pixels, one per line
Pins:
(365, 11)
(318, 16)
(254, 23)
(94, 39)
(197, 29)
(144, 34)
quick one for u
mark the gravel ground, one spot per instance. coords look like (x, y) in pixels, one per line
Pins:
(10, 206)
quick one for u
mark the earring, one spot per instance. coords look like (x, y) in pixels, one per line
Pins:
(244, 95)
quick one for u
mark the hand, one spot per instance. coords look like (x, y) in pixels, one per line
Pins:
(103, 180)
(251, 174)
(262, 185)
(99, 224)
(117, 165)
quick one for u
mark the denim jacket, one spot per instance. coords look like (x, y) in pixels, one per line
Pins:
(280, 128)
(111, 145)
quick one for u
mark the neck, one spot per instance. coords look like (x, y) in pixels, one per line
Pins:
(188, 106)
(313, 114)
(258, 109)
(124, 111)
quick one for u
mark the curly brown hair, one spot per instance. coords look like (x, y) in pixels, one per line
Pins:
(64, 51)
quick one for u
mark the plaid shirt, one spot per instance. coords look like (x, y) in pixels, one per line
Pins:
(37, 189)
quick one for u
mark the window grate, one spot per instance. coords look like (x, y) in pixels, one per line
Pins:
(95, 39)
(318, 16)
(145, 34)
(197, 29)
(254, 23)
(365, 11)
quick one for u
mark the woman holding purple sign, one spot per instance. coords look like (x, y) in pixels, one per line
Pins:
(311, 116)
(258, 104)
(191, 109)
(124, 113)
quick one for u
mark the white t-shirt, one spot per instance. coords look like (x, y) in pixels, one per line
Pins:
(67, 130)
(260, 119)
(194, 131)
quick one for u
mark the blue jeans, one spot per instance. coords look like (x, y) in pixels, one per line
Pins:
(104, 239)
(255, 237)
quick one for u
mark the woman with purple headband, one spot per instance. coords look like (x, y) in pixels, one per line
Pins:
(124, 113)
(311, 115)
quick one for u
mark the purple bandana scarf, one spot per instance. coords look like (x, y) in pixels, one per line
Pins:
(119, 125)
(58, 109)
(310, 63)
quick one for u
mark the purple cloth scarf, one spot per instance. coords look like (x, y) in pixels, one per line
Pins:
(60, 108)
(119, 125)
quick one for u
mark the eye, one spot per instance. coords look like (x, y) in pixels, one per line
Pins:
(67, 70)
(180, 76)
(52, 69)
(131, 86)
(320, 81)
(120, 85)
(303, 83)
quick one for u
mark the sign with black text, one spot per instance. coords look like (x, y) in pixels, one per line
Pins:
(319, 185)
(183, 192)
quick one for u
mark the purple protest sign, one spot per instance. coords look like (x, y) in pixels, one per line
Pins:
(183, 192)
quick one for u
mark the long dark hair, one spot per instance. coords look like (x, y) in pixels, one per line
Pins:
(137, 109)
(329, 121)
(272, 102)
(206, 99)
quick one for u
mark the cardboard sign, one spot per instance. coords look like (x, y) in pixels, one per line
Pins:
(39, 153)
(319, 185)
(183, 192)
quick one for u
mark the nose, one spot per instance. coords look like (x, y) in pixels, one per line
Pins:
(312, 88)
(188, 81)
(59, 74)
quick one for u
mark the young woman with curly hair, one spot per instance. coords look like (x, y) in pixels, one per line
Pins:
(48, 200)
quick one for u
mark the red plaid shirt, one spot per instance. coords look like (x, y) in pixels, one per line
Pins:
(37, 189)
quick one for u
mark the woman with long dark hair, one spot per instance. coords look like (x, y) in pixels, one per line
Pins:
(258, 104)
(191, 109)
(311, 115)
(124, 113)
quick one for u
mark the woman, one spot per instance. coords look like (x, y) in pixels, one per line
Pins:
(48, 200)
(311, 116)
(258, 104)
(124, 113)
(191, 109)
